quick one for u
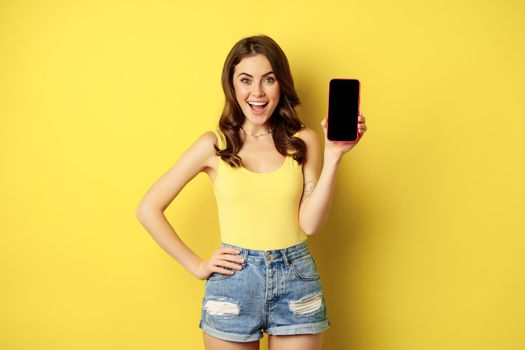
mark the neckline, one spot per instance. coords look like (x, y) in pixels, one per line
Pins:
(267, 172)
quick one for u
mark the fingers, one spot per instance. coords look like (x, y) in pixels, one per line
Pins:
(228, 257)
(228, 250)
(223, 270)
(225, 260)
(361, 125)
(228, 254)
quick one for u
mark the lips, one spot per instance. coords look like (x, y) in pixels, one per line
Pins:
(258, 107)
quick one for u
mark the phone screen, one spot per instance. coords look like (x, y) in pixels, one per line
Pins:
(343, 109)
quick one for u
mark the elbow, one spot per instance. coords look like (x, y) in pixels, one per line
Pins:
(139, 214)
(143, 212)
(308, 226)
(309, 229)
(309, 233)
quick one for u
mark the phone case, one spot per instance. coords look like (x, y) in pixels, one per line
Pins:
(358, 107)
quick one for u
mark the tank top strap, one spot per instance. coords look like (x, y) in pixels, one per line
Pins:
(221, 139)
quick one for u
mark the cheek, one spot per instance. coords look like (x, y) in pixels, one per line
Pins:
(276, 93)
(276, 98)
(240, 93)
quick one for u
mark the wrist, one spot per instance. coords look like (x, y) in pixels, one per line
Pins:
(332, 158)
(195, 266)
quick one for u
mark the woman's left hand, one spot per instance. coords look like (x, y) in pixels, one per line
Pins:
(339, 148)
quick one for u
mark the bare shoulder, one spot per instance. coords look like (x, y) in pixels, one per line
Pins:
(310, 137)
(207, 141)
(205, 147)
(198, 157)
(201, 154)
(312, 165)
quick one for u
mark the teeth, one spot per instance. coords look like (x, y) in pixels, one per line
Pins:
(258, 103)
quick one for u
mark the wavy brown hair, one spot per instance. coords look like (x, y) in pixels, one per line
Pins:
(284, 121)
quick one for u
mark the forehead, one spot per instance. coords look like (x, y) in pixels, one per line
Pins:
(254, 65)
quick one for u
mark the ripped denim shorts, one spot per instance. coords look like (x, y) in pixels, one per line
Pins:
(276, 291)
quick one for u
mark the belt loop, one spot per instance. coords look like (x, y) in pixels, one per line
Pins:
(244, 255)
(285, 258)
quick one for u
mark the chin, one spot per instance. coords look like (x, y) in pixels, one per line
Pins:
(257, 120)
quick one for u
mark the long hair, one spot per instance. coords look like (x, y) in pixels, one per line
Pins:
(284, 121)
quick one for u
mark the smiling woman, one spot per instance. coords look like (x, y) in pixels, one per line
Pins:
(256, 71)
(257, 93)
(252, 85)
(265, 166)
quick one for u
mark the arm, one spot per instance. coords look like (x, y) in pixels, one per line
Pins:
(319, 189)
(150, 212)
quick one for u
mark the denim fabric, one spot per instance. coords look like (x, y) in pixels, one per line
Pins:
(277, 291)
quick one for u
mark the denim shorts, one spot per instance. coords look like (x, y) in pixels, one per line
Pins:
(276, 291)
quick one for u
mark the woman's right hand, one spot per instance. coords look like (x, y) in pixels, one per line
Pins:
(222, 257)
(336, 149)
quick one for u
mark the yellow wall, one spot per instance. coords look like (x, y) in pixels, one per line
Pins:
(424, 248)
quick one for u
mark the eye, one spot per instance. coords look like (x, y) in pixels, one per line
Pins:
(270, 80)
(245, 80)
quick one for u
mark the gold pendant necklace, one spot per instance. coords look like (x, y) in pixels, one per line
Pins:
(257, 135)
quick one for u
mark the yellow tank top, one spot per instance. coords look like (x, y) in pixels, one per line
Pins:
(259, 210)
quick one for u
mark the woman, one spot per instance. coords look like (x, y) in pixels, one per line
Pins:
(271, 194)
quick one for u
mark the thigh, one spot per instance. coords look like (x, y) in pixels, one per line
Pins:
(212, 343)
(295, 342)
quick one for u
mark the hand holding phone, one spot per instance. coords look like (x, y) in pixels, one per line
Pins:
(343, 109)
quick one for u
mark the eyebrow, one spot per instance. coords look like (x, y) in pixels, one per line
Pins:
(252, 76)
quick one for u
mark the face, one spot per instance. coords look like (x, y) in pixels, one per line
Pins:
(256, 89)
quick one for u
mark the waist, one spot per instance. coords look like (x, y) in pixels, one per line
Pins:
(257, 256)
(269, 236)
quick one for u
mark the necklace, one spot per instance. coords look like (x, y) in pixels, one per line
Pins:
(257, 134)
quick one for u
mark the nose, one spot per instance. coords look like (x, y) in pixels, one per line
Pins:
(257, 90)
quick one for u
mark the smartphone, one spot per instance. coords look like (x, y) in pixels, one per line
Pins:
(343, 109)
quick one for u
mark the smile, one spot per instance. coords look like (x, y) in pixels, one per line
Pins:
(257, 107)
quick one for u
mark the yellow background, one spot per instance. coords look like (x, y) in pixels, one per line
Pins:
(424, 248)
